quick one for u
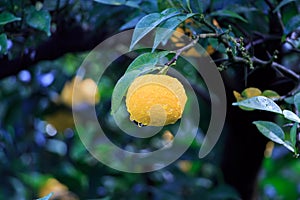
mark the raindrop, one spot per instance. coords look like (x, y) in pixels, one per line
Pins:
(138, 124)
(51, 131)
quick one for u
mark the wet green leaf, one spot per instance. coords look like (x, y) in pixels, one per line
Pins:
(260, 103)
(121, 89)
(146, 61)
(291, 116)
(270, 130)
(166, 29)
(228, 13)
(149, 22)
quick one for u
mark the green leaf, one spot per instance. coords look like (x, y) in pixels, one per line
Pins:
(3, 43)
(112, 2)
(260, 103)
(297, 101)
(38, 19)
(238, 8)
(7, 17)
(146, 60)
(149, 22)
(271, 131)
(52, 5)
(282, 3)
(289, 146)
(121, 89)
(46, 197)
(292, 24)
(293, 134)
(228, 13)
(270, 94)
(289, 100)
(129, 3)
(188, 4)
(291, 116)
(166, 29)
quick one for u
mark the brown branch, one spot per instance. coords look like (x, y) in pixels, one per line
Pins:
(179, 51)
(71, 40)
(278, 14)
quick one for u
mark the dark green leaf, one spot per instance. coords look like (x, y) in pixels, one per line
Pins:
(131, 23)
(271, 131)
(228, 13)
(289, 146)
(146, 60)
(3, 43)
(38, 19)
(291, 116)
(260, 103)
(292, 24)
(188, 4)
(241, 9)
(52, 5)
(149, 22)
(282, 3)
(149, 6)
(112, 2)
(134, 4)
(270, 94)
(46, 197)
(297, 101)
(289, 100)
(130, 3)
(198, 6)
(166, 29)
(121, 89)
(7, 17)
(293, 134)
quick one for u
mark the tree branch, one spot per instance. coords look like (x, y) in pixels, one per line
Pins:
(71, 40)
(179, 51)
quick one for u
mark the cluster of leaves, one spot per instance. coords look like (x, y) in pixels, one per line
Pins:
(271, 130)
(23, 17)
(168, 20)
(33, 151)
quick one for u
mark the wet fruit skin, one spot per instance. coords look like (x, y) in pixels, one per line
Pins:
(155, 100)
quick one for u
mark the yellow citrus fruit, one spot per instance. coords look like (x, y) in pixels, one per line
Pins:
(155, 100)
(86, 92)
(61, 120)
(52, 185)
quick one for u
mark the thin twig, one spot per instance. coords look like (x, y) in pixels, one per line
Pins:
(278, 14)
(208, 35)
(282, 68)
(179, 51)
(254, 43)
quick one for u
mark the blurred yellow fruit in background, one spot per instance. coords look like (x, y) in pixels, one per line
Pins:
(52, 185)
(86, 92)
